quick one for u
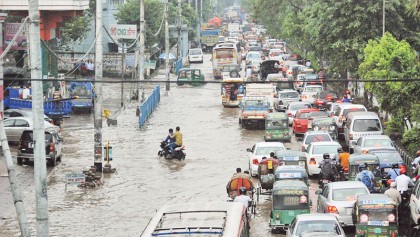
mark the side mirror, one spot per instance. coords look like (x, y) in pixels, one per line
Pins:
(318, 192)
(249, 150)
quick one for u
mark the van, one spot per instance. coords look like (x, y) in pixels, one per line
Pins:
(361, 124)
(342, 111)
(195, 55)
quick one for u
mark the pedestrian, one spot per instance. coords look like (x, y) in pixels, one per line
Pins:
(393, 193)
(90, 68)
(365, 176)
(26, 93)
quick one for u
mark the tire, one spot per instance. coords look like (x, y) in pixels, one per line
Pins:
(19, 161)
(234, 74)
(52, 162)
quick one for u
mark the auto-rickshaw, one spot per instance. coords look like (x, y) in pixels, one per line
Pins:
(237, 181)
(277, 127)
(373, 165)
(232, 91)
(291, 157)
(324, 124)
(266, 169)
(191, 76)
(290, 198)
(375, 215)
(294, 172)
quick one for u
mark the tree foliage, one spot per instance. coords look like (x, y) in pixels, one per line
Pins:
(75, 30)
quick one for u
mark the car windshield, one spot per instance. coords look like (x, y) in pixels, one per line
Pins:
(312, 89)
(299, 106)
(317, 226)
(321, 149)
(28, 136)
(276, 124)
(265, 151)
(289, 95)
(317, 138)
(347, 111)
(347, 194)
(283, 202)
(256, 48)
(327, 94)
(303, 115)
(195, 52)
(254, 55)
(276, 53)
(367, 125)
(255, 103)
(378, 143)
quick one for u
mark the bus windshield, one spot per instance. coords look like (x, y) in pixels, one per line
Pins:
(224, 53)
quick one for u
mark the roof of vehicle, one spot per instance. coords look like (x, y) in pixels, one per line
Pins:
(277, 115)
(346, 184)
(349, 105)
(288, 91)
(308, 86)
(290, 168)
(307, 110)
(286, 153)
(233, 79)
(374, 199)
(316, 216)
(363, 158)
(290, 184)
(325, 143)
(299, 102)
(269, 144)
(319, 234)
(375, 137)
(309, 133)
(362, 115)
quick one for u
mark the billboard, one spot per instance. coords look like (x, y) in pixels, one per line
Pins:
(123, 31)
(10, 30)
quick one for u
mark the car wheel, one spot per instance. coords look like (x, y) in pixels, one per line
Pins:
(53, 161)
(19, 161)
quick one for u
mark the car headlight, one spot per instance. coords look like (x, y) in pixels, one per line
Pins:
(332, 128)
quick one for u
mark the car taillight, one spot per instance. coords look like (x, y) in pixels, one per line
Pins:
(289, 114)
(364, 218)
(391, 218)
(312, 161)
(351, 136)
(329, 98)
(52, 147)
(304, 97)
(346, 169)
(290, 72)
(332, 209)
(255, 162)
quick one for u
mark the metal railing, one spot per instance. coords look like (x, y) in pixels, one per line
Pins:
(146, 108)
(178, 65)
(405, 156)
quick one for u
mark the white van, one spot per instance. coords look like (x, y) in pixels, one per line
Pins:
(195, 55)
(361, 124)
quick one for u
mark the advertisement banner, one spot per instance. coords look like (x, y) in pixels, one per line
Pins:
(10, 30)
(123, 31)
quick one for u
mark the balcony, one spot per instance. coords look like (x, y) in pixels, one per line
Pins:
(46, 5)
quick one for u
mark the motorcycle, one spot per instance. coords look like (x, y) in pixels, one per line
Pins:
(166, 153)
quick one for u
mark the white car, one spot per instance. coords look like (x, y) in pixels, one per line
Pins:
(314, 154)
(260, 150)
(195, 55)
(15, 126)
(315, 136)
(284, 98)
(252, 56)
(275, 54)
(315, 223)
(293, 107)
(309, 93)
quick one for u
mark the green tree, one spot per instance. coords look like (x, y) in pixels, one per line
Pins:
(389, 58)
(75, 30)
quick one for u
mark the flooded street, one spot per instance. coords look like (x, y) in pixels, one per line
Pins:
(215, 147)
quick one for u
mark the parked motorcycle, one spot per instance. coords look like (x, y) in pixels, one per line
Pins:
(166, 153)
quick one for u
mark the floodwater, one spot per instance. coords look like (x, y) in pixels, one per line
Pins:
(215, 147)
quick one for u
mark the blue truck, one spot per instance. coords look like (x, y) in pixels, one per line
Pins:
(84, 95)
(56, 109)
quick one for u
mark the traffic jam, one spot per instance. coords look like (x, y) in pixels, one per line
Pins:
(362, 187)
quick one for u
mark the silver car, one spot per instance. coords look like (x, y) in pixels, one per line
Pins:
(316, 223)
(285, 97)
(372, 141)
(293, 107)
(338, 198)
(15, 126)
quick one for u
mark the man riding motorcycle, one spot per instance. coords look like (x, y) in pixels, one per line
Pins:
(328, 168)
(170, 139)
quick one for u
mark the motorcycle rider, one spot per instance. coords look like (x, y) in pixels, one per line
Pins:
(394, 172)
(178, 138)
(345, 99)
(365, 176)
(327, 168)
(403, 184)
(416, 161)
(170, 139)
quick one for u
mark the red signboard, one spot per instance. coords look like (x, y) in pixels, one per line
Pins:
(10, 30)
(1, 92)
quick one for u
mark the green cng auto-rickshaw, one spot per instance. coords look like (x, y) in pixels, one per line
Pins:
(277, 128)
(373, 165)
(290, 198)
(191, 76)
(375, 215)
(291, 172)
(291, 157)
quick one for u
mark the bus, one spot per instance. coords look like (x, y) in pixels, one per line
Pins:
(221, 56)
(224, 219)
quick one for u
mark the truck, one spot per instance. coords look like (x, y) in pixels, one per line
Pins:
(84, 95)
(234, 27)
(209, 39)
(253, 111)
(56, 109)
(266, 90)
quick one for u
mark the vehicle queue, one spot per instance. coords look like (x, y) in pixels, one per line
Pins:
(277, 91)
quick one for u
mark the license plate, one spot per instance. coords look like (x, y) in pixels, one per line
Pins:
(30, 145)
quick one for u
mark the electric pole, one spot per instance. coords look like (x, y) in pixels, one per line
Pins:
(383, 17)
(97, 115)
(167, 51)
(179, 28)
(40, 168)
(198, 24)
(141, 48)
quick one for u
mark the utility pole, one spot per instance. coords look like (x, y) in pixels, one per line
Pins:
(40, 169)
(168, 85)
(198, 24)
(97, 115)
(141, 48)
(179, 28)
(17, 195)
(383, 17)
(201, 12)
